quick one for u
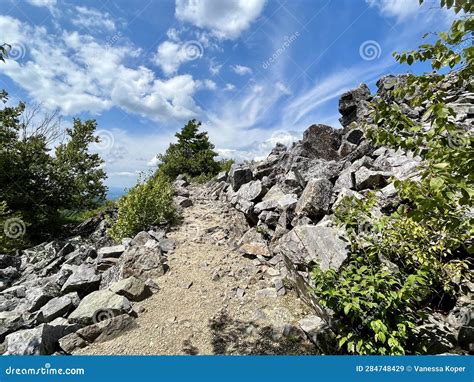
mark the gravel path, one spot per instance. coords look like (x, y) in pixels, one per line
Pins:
(207, 301)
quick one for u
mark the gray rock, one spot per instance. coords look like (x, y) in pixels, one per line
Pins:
(58, 307)
(99, 305)
(38, 296)
(315, 199)
(167, 245)
(353, 105)
(276, 199)
(72, 342)
(368, 179)
(10, 321)
(132, 288)
(221, 177)
(319, 333)
(239, 175)
(306, 246)
(107, 329)
(251, 191)
(83, 280)
(266, 293)
(182, 201)
(41, 340)
(115, 251)
(142, 262)
(141, 238)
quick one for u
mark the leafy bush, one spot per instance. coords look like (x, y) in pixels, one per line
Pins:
(404, 265)
(193, 154)
(149, 203)
(12, 229)
(225, 164)
(37, 185)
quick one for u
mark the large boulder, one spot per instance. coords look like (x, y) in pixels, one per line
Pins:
(250, 191)
(319, 141)
(41, 340)
(316, 197)
(98, 332)
(239, 175)
(143, 262)
(307, 246)
(99, 305)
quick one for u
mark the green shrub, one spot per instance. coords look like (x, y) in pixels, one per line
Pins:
(225, 164)
(149, 203)
(193, 154)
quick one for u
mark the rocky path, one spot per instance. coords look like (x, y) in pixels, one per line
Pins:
(212, 300)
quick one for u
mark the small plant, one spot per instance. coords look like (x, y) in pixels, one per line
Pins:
(149, 203)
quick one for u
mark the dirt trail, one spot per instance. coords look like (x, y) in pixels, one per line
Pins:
(199, 308)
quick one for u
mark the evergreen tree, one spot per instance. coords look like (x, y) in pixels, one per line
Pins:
(193, 154)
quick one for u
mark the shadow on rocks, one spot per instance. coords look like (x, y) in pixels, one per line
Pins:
(231, 336)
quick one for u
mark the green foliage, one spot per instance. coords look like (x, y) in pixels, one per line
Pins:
(193, 154)
(85, 189)
(149, 203)
(12, 229)
(404, 265)
(37, 185)
(225, 164)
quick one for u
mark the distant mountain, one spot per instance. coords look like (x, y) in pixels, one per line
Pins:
(116, 192)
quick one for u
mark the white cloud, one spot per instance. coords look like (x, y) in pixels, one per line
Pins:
(229, 87)
(209, 85)
(214, 68)
(283, 88)
(241, 70)
(170, 55)
(225, 19)
(403, 10)
(93, 20)
(43, 3)
(75, 73)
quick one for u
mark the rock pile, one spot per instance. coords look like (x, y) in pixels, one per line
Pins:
(61, 295)
(289, 198)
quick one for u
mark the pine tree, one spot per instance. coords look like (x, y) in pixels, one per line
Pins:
(193, 154)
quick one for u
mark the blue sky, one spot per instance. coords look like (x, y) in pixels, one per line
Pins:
(253, 71)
